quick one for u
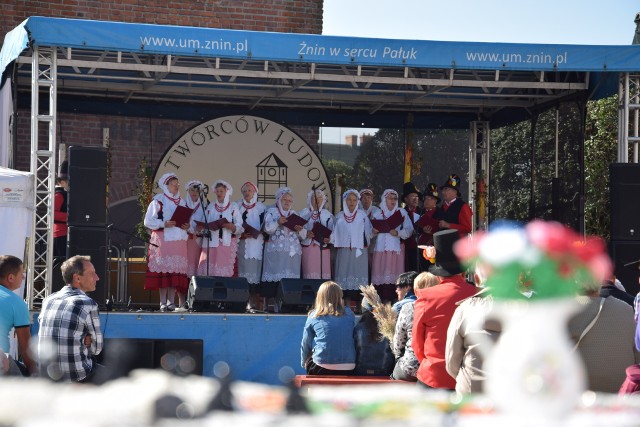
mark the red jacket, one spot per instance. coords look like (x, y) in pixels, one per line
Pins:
(432, 313)
(59, 216)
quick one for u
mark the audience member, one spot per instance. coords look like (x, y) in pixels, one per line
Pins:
(69, 338)
(406, 366)
(327, 346)
(609, 289)
(14, 314)
(604, 332)
(463, 354)
(404, 290)
(434, 309)
(373, 351)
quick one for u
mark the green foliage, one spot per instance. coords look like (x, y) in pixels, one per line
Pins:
(600, 151)
(144, 193)
(436, 154)
(338, 168)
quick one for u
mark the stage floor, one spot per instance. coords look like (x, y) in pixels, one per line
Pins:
(256, 346)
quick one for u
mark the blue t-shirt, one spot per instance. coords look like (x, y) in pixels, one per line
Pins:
(13, 314)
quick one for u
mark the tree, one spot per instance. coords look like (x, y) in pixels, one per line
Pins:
(600, 151)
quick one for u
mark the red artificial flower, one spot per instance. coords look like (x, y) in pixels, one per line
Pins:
(552, 238)
(589, 248)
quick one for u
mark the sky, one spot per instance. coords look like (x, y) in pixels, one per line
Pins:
(590, 22)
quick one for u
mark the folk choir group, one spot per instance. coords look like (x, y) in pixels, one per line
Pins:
(371, 244)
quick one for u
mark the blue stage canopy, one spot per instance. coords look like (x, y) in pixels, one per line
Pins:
(144, 69)
(211, 42)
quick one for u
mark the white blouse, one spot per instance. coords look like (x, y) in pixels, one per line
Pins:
(387, 242)
(162, 204)
(231, 213)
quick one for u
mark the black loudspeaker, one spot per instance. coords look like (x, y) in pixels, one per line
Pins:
(87, 196)
(297, 295)
(91, 241)
(624, 184)
(623, 253)
(213, 293)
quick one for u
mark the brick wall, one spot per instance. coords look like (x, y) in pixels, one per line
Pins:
(289, 16)
(133, 138)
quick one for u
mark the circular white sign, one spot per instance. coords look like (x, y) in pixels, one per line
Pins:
(238, 149)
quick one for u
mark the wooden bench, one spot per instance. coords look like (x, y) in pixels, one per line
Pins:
(305, 380)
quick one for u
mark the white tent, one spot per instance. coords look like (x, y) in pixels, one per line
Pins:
(16, 218)
(16, 213)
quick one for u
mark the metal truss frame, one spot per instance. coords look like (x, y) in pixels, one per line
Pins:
(628, 116)
(479, 150)
(249, 83)
(43, 161)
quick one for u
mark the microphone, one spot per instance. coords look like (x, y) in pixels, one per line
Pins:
(313, 188)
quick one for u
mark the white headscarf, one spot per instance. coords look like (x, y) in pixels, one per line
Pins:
(279, 194)
(190, 203)
(162, 183)
(320, 194)
(227, 196)
(344, 201)
(383, 203)
(255, 194)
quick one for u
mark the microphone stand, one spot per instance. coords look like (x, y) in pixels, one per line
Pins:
(320, 239)
(206, 233)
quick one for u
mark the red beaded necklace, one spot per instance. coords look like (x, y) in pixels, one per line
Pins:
(351, 218)
(175, 200)
(247, 207)
(219, 209)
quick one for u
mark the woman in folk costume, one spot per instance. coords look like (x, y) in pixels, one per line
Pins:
(250, 248)
(167, 258)
(366, 204)
(192, 200)
(283, 252)
(388, 254)
(350, 237)
(221, 247)
(310, 247)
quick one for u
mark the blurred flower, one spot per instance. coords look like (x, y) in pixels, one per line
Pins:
(547, 258)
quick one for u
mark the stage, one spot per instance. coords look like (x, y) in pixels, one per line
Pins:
(255, 346)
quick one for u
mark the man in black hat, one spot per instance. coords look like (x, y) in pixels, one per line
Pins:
(411, 197)
(427, 225)
(434, 309)
(60, 212)
(454, 213)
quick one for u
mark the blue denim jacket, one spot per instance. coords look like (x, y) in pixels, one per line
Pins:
(331, 338)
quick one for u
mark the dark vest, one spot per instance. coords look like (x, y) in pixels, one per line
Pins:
(452, 214)
(63, 208)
